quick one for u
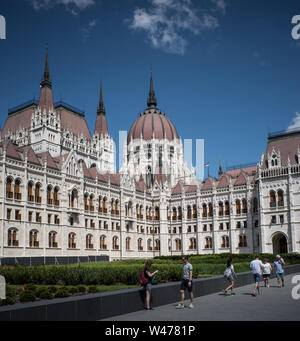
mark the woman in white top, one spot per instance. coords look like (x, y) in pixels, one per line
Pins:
(267, 272)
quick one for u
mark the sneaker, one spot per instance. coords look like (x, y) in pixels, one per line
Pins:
(191, 306)
(179, 306)
(233, 293)
(224, 292)
(268, 286)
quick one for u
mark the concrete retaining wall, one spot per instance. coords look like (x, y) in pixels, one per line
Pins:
(94, 307)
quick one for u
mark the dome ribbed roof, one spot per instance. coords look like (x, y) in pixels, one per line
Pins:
(152, 124)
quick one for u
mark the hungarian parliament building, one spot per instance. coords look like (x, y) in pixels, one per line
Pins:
(62, 196)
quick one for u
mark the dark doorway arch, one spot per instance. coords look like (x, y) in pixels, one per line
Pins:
(279, 243)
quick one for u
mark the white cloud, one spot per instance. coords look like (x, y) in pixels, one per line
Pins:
(220, 5)
(86, 31)
(295, 122)
(71, 5)
(166, 20)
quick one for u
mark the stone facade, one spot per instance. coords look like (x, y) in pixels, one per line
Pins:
(60, 194)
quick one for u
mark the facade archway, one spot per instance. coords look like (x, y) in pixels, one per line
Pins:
(279, 242)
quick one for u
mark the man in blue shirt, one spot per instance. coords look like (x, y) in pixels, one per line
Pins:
(278, 267)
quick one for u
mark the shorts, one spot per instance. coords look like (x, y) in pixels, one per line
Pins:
(279, 274)
(256, 278)
(266, 275)
(230, 278)
(184, 285)
(148, 287)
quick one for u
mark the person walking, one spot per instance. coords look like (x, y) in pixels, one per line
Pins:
(278, 267)
(147, 283)
(186, 283)
(267, 272)
(257, 267)
(230, 274)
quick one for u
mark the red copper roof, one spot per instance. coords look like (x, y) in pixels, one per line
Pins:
(50, 161)
(19, 120)
(176, 189)
(11, 151)
(101, 125)
(287, 145)
(223, 181)
(150, 124)
(208, 183)
(31, 156)
(74, 122)
(46, 99)
(241, 179)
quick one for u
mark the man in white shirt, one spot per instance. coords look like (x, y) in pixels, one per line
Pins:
(257, 267)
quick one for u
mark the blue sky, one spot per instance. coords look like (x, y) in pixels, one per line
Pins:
(226, 71)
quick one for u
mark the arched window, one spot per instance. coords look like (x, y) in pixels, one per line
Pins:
(49, 195)
(115, 243)
(86, 202)
(74, 198)
(100, 204)
(221, 209)
(37, 193)
(178, 244)
(117, 212)
(225, 242)
(193, 244)
(72, 240)
(17, 191)
(140, 244)
(204, 211)
(9, 193)
(210, 210)
(227, 211)
(12, 237)
(244, 206)
(272, 199)
(127, 243)
(189, 213)
(280, 197)
(89, 241)
(156, 213)
(208, 243)
(194, 211)
(103, 245)
(149, 244)
(157, 245)
(55, 196)
(33, 238)
(30, 192)
(52, 239)
(238, 206)
(242, 241)
(91, 203)
(255, 205)
(179, 213)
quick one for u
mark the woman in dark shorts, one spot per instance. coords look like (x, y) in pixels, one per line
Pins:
(149, 276)
(267, 272)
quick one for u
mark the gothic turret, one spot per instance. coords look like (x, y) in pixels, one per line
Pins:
(46, 96)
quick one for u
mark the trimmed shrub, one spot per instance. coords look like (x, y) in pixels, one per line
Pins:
(61, 292)
(92, 290)
(27, 296)
(73, 290)
(52, 289)
(46, 295)
(81, 288)
(8, 301)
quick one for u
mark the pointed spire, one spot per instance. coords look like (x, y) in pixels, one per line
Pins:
(101, 123)
(46, 81)
(220, 168)
(152, 102)
(46, 96)
(101, 107)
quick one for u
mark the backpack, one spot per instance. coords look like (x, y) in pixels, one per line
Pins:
(143, 280)
(227, 272)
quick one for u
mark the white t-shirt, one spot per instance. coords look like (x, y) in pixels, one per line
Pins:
(267, 269)
(255, 266)
(229, 271)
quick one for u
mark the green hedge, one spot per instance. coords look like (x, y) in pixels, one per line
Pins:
(127, 272)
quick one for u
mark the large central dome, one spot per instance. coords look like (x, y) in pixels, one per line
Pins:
(152, 124)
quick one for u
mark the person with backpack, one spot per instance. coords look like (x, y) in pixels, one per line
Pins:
(186, 283)
(146, 279)
(230, 274)
(278, 267)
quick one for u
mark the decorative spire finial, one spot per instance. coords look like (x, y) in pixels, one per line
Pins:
(46, 76)
(152, 102)
(101, 108)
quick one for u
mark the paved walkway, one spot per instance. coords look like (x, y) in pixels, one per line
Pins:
(273, 305)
